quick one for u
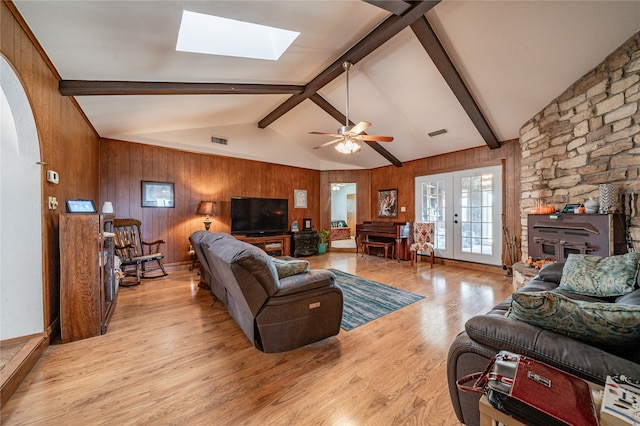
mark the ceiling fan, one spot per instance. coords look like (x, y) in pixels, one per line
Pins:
(347, 136)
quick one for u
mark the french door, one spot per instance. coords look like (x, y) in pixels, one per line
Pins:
(466, 207)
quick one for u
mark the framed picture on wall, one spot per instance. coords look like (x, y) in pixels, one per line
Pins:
(388, 202)
(157, 194)
(299, 198)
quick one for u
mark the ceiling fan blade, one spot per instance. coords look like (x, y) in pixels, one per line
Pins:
(325, 134)
(373, 138)
(328, 143)
(360, 127)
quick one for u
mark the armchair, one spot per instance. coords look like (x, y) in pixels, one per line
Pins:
(130, 248)
(423, 237)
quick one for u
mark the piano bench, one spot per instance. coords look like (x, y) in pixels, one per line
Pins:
(385, 246)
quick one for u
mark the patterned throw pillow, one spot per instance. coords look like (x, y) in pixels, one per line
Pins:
(600, 277)
(287, 268)
(595, 322)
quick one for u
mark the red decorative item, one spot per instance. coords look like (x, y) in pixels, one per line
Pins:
(533, 392)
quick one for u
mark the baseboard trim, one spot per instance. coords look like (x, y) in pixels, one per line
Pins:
(21, 364)
(471, 265)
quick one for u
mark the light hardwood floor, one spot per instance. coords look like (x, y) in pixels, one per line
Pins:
(172, 357)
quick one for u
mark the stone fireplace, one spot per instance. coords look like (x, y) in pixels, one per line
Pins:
(587, 136)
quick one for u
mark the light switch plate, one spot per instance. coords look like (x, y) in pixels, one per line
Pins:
(53, 176)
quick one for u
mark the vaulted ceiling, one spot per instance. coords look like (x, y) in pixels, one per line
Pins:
(478, 69)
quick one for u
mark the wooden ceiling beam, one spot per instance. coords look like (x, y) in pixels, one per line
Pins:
(333, 112)
(103, 88)
(397, 7)
(376, 38)
(427, 37)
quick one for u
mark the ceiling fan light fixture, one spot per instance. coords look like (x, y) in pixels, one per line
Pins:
(348, 147)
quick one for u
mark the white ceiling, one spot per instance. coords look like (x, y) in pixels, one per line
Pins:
(514, 56)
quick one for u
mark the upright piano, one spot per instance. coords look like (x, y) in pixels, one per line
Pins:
(400, 232)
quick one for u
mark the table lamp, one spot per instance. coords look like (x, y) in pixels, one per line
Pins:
(208, 208)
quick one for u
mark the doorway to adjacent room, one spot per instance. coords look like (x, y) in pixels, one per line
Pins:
(343, 215)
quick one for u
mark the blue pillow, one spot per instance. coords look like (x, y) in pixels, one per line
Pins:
(603, 323)
(600, 277)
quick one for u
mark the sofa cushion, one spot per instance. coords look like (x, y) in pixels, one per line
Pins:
(601, 277)
(610, 324)
(287, 268)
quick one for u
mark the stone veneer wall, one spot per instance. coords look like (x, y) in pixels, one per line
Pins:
(588, 135)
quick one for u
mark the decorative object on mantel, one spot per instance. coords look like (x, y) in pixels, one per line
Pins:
(542, 208)
(591, 205)
(208, 208)
(294, 226)
(608, 198)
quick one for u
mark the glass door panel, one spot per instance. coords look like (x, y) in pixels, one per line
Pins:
(466, 208)
(432, 205)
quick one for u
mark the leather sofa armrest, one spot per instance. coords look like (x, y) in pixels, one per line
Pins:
(315, 278)
(466, 356)
(574, 356)
(551, 272)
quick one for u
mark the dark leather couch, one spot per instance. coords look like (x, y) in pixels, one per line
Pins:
(275, 314)
(485, 335)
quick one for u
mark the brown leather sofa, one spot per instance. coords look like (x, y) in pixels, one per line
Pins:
(485, 335)
(275, 314)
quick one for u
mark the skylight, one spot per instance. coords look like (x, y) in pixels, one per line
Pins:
(200, 33)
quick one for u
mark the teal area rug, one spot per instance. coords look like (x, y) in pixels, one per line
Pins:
(366, 300)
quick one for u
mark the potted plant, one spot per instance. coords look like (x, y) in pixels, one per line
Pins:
(323, 241)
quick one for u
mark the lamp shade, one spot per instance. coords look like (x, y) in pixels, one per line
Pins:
(348, 146)
(209, 208)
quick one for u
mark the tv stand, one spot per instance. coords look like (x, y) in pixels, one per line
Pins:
(274, 245)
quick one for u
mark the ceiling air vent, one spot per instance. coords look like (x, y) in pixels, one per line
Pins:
(220, 141)
(437, 132)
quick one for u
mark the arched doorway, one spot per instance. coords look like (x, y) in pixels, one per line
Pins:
(21, 274)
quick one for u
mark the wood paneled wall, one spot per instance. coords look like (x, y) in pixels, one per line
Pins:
(68, 144)
(508, 155)
(196, 177)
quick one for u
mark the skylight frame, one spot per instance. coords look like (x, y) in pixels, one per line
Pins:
(214, 35)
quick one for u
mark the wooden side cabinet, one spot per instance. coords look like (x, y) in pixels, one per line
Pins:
(304, 243)
(274, 245)
(88, 287)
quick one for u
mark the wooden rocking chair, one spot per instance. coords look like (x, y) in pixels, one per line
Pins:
(130, 248)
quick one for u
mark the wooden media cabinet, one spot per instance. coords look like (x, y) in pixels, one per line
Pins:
(274, 245)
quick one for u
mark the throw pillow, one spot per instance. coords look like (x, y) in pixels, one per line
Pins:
(609, 324)
(287, 268)
(600, 277)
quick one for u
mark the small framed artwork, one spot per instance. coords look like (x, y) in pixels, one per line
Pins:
(157, 194)
(81, 206)
(300, 198)
(388, 202)
(306, 224)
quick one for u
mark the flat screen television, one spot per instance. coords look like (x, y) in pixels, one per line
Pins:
(259, 216)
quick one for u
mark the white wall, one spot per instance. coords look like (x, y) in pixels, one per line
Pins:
(339, 201)
(21, 298)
